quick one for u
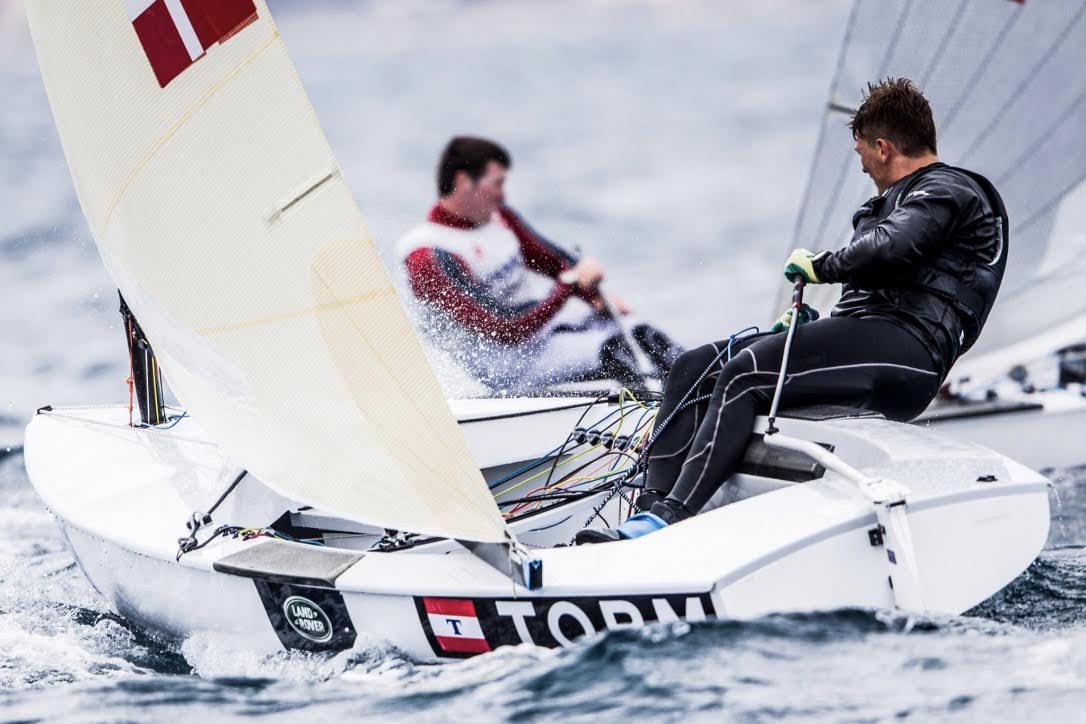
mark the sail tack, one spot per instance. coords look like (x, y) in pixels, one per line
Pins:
(221, 213)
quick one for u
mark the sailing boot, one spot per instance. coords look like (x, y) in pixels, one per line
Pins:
(663, 514)
(618, 362)
(643, 504)
(647, 499)
(657, 346)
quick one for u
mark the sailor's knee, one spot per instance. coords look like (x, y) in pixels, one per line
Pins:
(689, 365)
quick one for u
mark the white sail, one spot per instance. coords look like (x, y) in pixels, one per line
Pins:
(1005, 82)
(223, 216)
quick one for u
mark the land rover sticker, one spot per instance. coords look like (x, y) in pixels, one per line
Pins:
(307, 619)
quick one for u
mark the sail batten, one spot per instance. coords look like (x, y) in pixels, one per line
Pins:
(173, 130)
(220, 211)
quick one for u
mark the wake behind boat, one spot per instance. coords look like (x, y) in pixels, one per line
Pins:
(329, 491)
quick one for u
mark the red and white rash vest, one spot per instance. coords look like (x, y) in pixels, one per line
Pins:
(479, 276)
(489, 295)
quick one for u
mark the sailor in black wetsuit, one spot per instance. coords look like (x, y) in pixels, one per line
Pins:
(920, 277)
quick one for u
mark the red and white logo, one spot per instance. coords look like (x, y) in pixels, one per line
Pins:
(177, 33)
(456, 625)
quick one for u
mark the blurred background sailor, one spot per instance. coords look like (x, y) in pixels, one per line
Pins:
(517, 311)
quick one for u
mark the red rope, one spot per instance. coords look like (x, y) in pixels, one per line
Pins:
(131, 374)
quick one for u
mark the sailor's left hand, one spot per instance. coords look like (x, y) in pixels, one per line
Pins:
(807, 313)
(618, 305)
(611, 303)
(800, 265)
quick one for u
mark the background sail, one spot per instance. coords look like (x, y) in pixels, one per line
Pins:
(222, 214)
(1005, 82)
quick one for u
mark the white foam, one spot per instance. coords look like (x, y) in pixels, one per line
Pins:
(214, 655)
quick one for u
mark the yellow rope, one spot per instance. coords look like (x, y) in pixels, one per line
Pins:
(540, 474)
(563, 484)
(571, 482)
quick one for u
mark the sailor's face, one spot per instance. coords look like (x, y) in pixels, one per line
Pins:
(488, 193)
(869, 155)
(875, 161)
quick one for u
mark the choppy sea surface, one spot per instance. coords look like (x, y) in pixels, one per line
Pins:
(63, 656)
(669, 138)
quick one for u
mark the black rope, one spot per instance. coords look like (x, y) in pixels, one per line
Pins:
(562, 450)
(567, 476)
(636, 469)
(198, 520)
(597, 511)
(229, 490)
(605, 480)
(563, 496)
(652, 440)
(684, 403)
(576, 470)
(551, 459)
(626, 481)
(222, 530)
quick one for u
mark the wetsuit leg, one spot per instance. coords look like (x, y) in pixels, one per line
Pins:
(864, 363)
(579, 349)
(657, 346)
(677, 426)
(618, 362)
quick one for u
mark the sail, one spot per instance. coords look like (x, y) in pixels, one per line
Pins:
(1005, 83)
(222, 215)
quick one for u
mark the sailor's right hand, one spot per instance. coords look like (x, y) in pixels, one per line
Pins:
(800, 265)
(807, 313)
(586, 275)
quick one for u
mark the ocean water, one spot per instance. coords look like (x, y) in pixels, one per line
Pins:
(671, 139)
(64, 657)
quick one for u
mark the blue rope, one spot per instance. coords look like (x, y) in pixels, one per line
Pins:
(552, 525)
(548, 455)
(741, 334)
(173, 423)
(520, 471)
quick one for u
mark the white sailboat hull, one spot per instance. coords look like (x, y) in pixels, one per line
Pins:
(775, 545)
(1031, 428)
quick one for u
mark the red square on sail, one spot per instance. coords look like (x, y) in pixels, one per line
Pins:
(216, 20)
(162, 42)
(176, 33)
